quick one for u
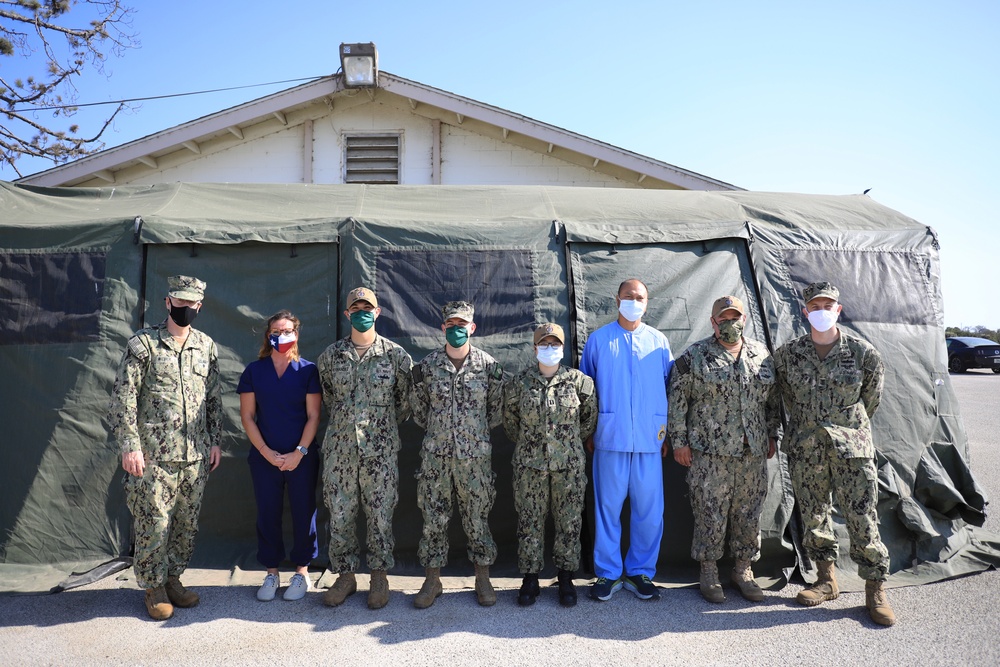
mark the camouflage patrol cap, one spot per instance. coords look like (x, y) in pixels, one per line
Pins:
(820, 289)
(460, 309)
(725, 303)
(186, 287)
(549, 329)
(362, 294)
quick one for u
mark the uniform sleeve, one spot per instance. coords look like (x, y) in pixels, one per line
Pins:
(245, 385)
(679, 394)
(588, 365)
(419, 396)
(403, 384)
(512, 408)
(326, 378)
(123, 413)
(213, 400)
(588, 407)
(772, 407)
(494, 394)
(872, 380)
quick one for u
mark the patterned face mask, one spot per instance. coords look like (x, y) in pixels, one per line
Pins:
(730, 331)
(282, 342)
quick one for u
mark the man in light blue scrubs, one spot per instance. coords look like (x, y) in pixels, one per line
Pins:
(630, 363)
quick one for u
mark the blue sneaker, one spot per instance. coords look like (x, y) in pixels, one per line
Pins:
(642, 586)
(604, 588)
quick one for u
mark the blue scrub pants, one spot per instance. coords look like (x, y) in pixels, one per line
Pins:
(269, 486)
(639, 477)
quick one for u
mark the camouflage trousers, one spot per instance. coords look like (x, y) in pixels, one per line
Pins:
(165, 503)
(820, 476)
(535, 493)
(350, 479)
(441, 480)
(727, 492)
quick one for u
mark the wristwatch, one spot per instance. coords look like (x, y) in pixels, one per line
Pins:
(302, 450)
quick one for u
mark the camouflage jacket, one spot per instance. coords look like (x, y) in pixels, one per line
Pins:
(366, 397)
(166, 401)
(717, 401)
(830, 402)
(549, 418)
(457, 408)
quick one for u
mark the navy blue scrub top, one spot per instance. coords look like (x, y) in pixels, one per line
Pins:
(281, 402)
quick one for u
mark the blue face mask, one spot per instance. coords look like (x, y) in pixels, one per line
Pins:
(457, 336)
(363, 320)
(631, 310)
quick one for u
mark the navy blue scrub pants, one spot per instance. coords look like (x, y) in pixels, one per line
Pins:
(269, 485)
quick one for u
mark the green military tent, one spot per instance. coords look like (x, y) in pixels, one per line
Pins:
(80, 269)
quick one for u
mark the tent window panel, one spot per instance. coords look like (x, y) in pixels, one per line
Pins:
(51, 297)
(875, 286)
(412, 286)
(371, 159)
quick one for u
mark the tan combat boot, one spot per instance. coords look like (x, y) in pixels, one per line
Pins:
(878, 603)
(824, 589)
(484, 589)
(158, 605)
(378, 592)
(178, 595)
(430, 590)
(743, 579)
(711, 589)
(345, 585)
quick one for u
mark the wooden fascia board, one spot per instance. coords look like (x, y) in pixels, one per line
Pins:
(551, 134)
(168, 139)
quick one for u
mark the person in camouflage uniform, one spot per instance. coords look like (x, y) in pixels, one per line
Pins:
(549, 411)
(366, 386)
(831, 384)
(723, 423)
(457, 398)
(166, 414)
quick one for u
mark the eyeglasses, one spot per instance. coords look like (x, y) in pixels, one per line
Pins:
(549, 346)
(279, 332)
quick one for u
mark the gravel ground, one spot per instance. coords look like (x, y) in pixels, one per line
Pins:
(948, 623)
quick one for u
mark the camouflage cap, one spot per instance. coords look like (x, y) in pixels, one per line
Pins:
(725, 303)
(549, 329)
(186, 287)
(461, 309)
(362, 294)
(820, 289)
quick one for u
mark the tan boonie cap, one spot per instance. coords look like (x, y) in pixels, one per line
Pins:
(461, 309)
(549, 329)
(725, 303)
(186, 287)
(362, 294)
(816, 290)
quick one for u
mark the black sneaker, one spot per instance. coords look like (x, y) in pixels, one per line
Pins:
(642, 586)
(604, 588)
(567, 591)
(529, 590)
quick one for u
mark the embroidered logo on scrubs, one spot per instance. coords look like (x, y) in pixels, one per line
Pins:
(662, 432)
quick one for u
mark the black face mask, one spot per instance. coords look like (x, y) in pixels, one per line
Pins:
(183, 316)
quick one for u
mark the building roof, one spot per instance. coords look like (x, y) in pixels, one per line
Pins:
(296, 105)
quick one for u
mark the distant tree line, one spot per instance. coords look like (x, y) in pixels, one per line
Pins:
(978, 331)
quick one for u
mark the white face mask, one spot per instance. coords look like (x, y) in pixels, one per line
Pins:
(823, 320)
(549, 356)
(631, 310)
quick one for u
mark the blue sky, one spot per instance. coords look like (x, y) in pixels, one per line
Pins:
(832, 98)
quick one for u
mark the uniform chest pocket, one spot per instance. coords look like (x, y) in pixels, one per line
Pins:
(165, 369)
(846, 377)
(380, 384)
(200, 368)
(568, 400)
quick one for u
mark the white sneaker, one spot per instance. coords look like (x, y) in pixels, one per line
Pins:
(297, 587)
(270, 586)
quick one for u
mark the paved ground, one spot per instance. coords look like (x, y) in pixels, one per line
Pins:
(949, 623)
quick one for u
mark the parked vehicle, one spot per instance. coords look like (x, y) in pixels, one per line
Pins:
(966, 352)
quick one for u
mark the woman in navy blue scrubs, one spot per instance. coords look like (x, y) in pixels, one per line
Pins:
(280, 397)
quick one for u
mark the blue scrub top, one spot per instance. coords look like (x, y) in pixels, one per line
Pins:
(281, 402)
(630, 370)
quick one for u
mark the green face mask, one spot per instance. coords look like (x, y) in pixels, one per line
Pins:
(730, 331)
(363, 320)
(457, 336)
